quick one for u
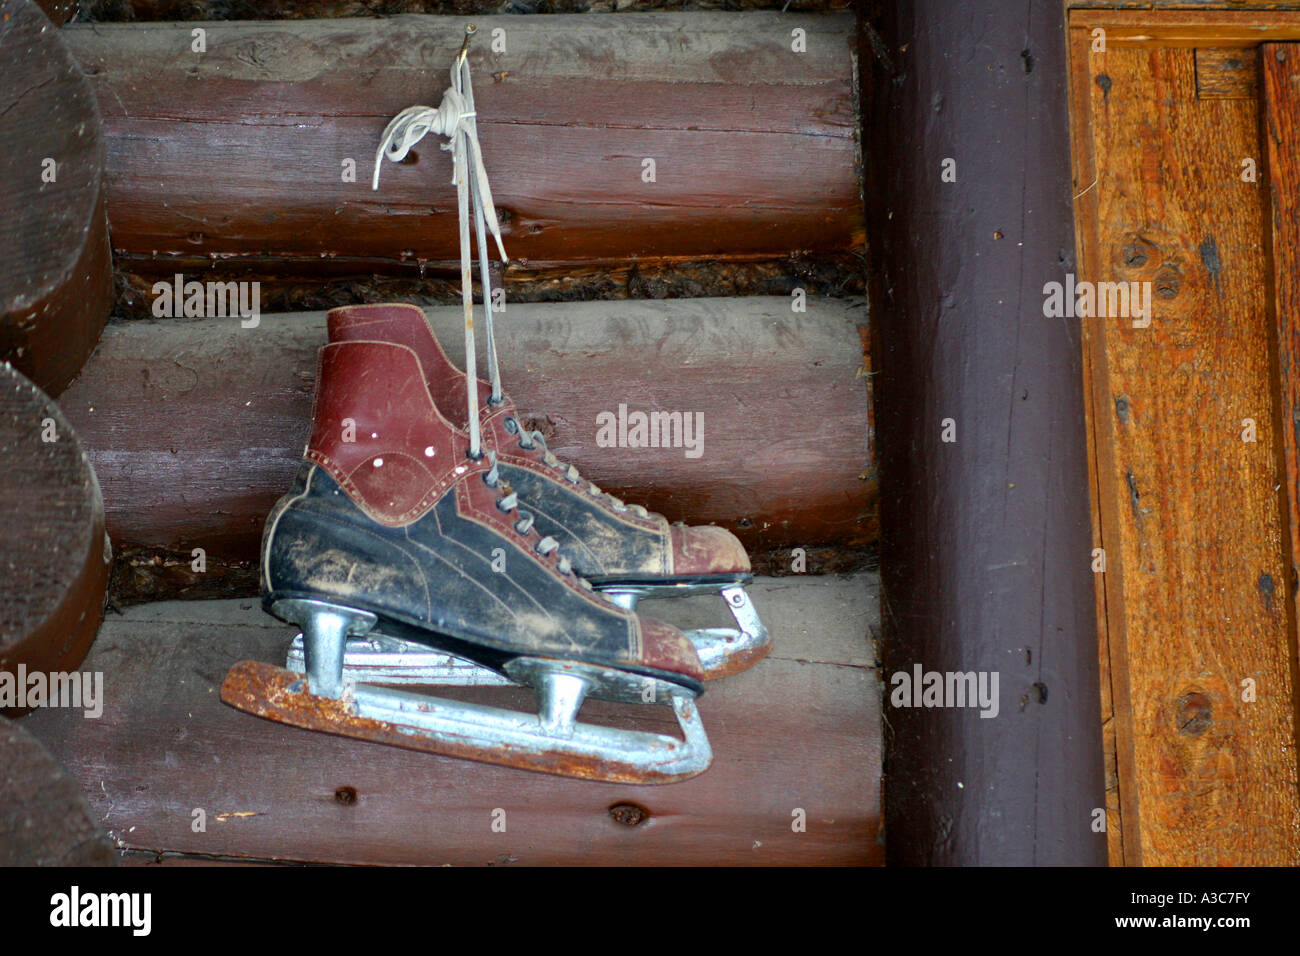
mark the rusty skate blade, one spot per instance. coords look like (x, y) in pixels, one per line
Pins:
(474, 731)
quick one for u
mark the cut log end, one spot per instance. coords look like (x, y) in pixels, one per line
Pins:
(44, 817)
(54, 251)
(54, 554)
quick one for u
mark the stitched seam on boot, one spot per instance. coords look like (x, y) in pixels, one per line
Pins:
(354, 493)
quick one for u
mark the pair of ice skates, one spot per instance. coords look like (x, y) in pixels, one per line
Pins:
(430, 539)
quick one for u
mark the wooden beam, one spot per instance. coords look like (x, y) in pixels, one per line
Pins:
(984, 520)
(1171, 28)
(797, 737)
(196, 427)
(1102, 494)
(56, 282)
(255, 157)
(1280, 67)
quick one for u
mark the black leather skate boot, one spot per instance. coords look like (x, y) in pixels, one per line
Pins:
(624, 550)
(390, 526)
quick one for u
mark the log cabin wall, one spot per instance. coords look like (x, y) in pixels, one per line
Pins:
(252, 162)
(1189, 448)
(56, 292)
(235, 161)
(746, 267)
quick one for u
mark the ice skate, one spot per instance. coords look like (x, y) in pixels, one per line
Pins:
(625, 551)
(401, 532)
(392, 526)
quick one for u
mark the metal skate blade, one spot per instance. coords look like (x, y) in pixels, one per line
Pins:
(473, 731)
(723, 651)
(380, 659)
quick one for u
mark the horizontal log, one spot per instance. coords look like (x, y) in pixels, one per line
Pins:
(196, 426)
(111, 11)
(800, 730)
(237, 155)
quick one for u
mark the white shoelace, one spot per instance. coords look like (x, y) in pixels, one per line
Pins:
(454, 118)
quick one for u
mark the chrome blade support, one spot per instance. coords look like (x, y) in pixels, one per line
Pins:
(551, 740)
(381, 659)
(378, 659)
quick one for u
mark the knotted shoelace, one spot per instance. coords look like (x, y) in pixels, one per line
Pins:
(455, 119)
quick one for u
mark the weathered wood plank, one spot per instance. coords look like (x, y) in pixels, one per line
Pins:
(799, 731)
(196, 427)
(1281, 98)
(1100, 461)
(1193, 515)
(1199, 8)
(56, 282)
(1231, 74)
(1201, 27)
(1280, 105)
(54, 555)
(235, 155)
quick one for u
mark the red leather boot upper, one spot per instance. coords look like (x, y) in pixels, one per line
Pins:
(690, 550)
(378, 434)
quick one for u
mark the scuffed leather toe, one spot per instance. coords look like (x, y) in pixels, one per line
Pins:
(665, 648)
(707, 549)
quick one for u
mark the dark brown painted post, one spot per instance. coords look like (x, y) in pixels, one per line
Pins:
(985, 543)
